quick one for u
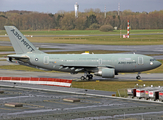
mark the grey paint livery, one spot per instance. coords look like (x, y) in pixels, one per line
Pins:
(105, 65)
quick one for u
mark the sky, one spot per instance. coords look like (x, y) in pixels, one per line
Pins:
(53, 6)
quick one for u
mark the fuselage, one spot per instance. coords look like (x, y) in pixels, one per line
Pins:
(120, 62)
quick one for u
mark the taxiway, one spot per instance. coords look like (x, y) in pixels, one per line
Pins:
(138, 49)
(49, 104)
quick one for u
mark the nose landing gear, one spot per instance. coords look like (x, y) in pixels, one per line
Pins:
(138, 76)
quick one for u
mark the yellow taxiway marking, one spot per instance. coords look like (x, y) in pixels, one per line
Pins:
(122, 73)
(140, 80)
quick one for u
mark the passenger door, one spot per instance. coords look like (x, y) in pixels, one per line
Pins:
(140, 61)
(46, 59)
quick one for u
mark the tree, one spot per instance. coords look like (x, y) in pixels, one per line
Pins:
(68, 22)
(94, 26)
(106, 28)
(90, 20)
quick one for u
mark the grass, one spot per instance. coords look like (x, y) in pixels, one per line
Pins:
(6, 48)
(103, 40)
(82, 32)
(20, 67)
(112, 85)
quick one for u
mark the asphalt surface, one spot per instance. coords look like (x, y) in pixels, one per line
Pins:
(49, 105)
(138, 49)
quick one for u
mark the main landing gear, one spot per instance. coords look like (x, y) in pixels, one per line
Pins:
(138, 76)
(87, 76)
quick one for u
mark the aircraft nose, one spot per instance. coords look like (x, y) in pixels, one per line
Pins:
(157, 63)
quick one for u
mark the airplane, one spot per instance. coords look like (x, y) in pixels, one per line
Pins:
(104, 65)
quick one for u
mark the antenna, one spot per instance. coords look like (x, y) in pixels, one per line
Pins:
(118, 8)
(105, 12)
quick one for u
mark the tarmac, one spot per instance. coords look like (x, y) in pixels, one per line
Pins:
(46, 103)
(138, 49)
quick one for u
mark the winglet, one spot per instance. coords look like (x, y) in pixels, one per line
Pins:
(19, 42)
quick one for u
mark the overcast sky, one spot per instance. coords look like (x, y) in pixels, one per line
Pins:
(53, 6)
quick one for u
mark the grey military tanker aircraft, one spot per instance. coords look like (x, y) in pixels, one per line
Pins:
(105, 65)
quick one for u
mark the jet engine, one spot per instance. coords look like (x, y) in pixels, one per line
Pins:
(106, 73)
(9, 59)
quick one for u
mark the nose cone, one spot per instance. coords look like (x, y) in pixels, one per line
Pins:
(157, 64)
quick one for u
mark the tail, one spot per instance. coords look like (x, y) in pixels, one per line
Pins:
(19, 42)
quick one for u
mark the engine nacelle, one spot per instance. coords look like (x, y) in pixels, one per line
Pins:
(106, 73)
(9, 59)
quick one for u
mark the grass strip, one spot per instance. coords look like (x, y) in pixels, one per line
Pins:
(82, 32)
(112, 85)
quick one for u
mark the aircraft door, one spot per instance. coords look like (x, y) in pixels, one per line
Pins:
(46, 59)
(140, 61)
(100, 62)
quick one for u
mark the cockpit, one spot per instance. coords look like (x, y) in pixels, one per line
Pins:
(153, 60)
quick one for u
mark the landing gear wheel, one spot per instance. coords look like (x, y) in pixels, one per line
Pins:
(87, 77)
(138, 77)
(82, 78)
(90, 76)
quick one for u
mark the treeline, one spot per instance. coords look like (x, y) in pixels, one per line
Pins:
(90, 19)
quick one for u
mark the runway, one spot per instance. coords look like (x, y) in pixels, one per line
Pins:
(138, 49)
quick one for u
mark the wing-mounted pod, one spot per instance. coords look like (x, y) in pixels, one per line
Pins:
(18, 58)
(106, 72)
(10, 59)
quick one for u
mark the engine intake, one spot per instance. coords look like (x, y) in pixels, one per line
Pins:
(9, 59)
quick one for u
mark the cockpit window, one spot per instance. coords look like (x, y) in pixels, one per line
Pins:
(152, 59)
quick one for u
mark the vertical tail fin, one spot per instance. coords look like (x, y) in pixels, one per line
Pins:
(19, 42)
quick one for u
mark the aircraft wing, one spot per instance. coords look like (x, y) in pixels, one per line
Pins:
(80, 68)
